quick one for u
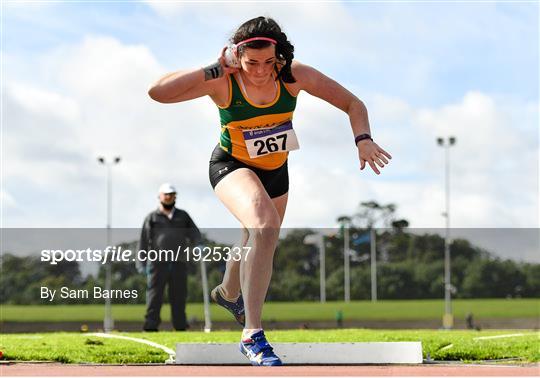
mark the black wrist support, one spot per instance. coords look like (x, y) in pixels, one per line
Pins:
(362, 137)
(213, 71)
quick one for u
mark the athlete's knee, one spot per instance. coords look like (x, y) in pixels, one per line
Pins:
(267, 220)
(265, 236)
(265, 216)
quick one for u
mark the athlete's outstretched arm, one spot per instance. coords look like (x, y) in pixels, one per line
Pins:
(320, 85)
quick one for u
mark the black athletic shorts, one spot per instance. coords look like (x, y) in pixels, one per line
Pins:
(276, 181)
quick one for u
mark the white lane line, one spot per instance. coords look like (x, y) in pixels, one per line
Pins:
(446, 347)
(499, 336)
(169, 351)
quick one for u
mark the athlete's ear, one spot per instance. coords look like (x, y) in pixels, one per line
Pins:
(278, 66)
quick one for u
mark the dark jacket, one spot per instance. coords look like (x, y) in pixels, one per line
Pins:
(161, 233)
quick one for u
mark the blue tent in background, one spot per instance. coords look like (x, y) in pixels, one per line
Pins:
(361, 239)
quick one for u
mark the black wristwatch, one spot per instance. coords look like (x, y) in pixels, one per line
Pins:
(362, 137)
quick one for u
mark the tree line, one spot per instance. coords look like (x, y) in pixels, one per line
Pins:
(409, 266)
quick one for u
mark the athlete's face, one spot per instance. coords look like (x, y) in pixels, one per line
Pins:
(258, 64)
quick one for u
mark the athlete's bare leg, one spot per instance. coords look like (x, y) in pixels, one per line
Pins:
(243, 194)
(231, 278)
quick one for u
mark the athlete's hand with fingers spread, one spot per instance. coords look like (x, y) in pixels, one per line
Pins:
(370, 152)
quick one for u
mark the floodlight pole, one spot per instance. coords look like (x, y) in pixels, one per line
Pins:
(448, 318)
(373, 250)
(345, 223)
(108, 321)
(322, 273)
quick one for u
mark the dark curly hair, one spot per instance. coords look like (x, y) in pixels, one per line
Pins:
(267, 27)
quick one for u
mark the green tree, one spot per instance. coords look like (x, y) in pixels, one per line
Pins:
(490, 278)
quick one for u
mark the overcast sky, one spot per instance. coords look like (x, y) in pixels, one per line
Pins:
(75, 77)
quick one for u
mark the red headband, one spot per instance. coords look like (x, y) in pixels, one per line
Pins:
(273, 41)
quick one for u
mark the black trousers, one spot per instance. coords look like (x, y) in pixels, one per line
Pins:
(174, 275)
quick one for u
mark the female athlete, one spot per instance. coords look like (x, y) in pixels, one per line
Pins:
(254, 84)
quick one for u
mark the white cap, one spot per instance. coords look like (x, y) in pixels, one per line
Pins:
(167, 188)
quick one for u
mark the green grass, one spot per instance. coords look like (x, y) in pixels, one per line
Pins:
(292, 311)
(79, 347)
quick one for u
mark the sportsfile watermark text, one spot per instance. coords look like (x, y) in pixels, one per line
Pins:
(119, 254)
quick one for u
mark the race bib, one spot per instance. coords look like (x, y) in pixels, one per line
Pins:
(261, 142)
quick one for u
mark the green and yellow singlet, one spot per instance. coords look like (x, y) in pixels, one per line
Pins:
(241, 115)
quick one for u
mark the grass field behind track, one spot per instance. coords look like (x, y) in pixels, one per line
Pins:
(80, 347)
(291, 311)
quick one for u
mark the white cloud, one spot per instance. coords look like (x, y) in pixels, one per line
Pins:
(494, 171)
(411, 50)
(173, 142)
(494, 166)
(43, 102)
(7, 199)
(103, 110)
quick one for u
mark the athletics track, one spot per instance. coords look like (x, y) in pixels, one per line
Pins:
(55, 369)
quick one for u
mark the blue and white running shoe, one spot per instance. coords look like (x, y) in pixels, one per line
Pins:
(235, 308)
(259, 352)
